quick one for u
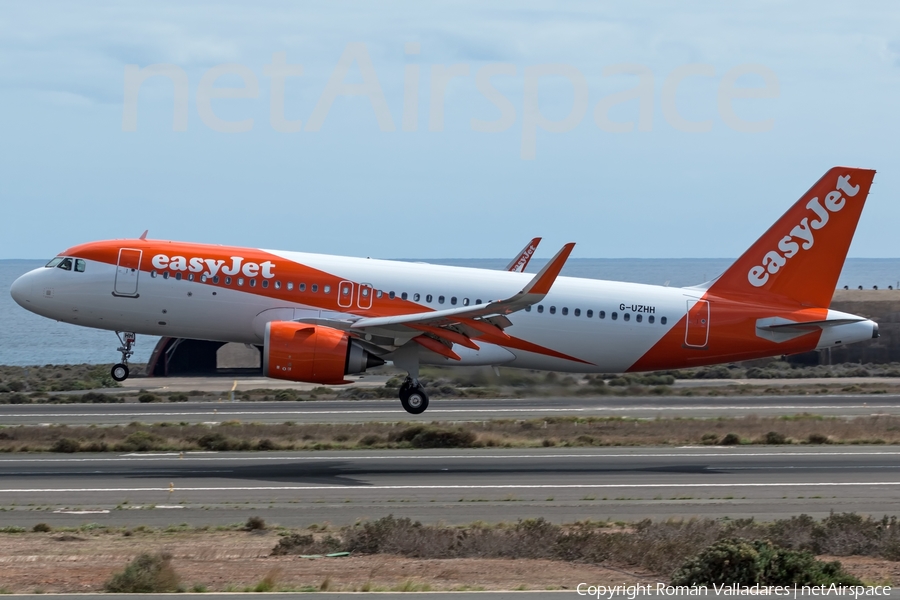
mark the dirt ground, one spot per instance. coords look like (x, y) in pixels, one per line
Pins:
(234, 561)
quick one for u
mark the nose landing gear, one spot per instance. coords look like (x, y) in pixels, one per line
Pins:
(120, 371)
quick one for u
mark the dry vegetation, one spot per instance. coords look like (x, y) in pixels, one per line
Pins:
(550, 432)
(56, 384)
(396, 554)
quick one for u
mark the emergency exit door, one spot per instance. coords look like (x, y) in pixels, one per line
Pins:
(127, 272)
(696, 334)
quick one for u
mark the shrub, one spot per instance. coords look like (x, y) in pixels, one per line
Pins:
(737, 561)
(18, 399)
(709, 439)
(818, 438)
(147, 398)
(140, 441)
(41, 528)
(420, 436)
(215, 441)
(266, 444)
(67, 445)
(146, 574)
(255, 524)
(370, 440)
(98, 398)
(773, 437)
(178, 397)
(730, 439)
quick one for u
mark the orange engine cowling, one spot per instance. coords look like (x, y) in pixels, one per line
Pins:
(313, 353)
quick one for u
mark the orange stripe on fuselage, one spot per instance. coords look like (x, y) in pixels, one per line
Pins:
(282, 270)
(732, 336)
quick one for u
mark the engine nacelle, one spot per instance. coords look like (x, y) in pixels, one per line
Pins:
(313, 353)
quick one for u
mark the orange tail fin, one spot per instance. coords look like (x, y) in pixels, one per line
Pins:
(799, 259)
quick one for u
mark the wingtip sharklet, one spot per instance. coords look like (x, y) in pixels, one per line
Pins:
(543, 281)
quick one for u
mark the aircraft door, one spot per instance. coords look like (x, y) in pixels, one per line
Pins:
(127, 272)
(364, 297)
(345, 294)
(696, 333)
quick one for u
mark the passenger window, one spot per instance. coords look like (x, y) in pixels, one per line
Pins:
(227, 280)
(190, 276)
(391, 295)
(650, 319)
(277, 285)
(638, 318)
(552, 310)
(540, 308)
(326, 289)
(252, 282)
(528, 308)
(465, 301)
(65, 265)
(379, 293)
(153, 274)
(302, 287)
(589, 314)
(614, 316)
(626, 316)
(404, 296)
(662, 320)
(365, 292)
(79, 265)
(601, 314)
(565, 311)
(215, 279)
(178, 276)
(314, 288)
(54, 262)
(290, 285)
(453, 300)
(416, 297)
(478, 301)
(240, 281)
(440, 299)
(577, 312)
(203, 278)
(428, 298)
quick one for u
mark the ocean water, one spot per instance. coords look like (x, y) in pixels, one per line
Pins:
(27, 339)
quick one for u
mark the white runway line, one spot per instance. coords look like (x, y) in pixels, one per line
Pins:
(536, 486)
(132, 457)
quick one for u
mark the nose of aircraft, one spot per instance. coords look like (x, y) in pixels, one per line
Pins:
(21, 290)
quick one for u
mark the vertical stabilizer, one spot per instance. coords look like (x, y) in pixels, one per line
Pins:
(799, 259)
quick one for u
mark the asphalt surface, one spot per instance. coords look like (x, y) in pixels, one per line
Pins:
(301, 488)
(447, 410)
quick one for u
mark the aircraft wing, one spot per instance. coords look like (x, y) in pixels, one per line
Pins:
(518, 264)
(532, 293)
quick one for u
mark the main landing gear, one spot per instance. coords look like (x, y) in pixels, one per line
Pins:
(120, 371)
(413, 396)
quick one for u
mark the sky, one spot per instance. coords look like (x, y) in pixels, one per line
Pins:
(441, 129)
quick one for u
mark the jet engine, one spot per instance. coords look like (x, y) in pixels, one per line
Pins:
(313, 353)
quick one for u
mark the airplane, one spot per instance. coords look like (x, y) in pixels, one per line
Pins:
(320, 318)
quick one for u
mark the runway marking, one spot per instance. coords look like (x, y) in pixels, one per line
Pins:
(434, 411)
(157, 457)
(81, 512)
(369, 488)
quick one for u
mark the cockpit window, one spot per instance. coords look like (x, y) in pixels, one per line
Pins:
(79, 265)
(66, 264)
(54, 262)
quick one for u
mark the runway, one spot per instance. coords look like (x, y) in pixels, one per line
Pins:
(449, 410)
(300, 488)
